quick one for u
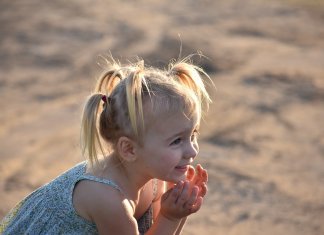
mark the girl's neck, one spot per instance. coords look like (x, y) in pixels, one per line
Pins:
(124, 174)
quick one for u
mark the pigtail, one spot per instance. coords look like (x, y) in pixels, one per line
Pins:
(134, 99)
(90, 140)
(108, 81)
(189, 75)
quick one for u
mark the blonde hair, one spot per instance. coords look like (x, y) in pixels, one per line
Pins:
(126, 97)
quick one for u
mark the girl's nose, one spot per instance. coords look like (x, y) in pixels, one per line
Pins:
(191, 150)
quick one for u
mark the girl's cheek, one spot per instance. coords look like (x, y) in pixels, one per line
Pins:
(169, 161)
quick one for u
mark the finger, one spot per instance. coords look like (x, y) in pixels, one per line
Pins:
(199, 167)
(184, 194)
(203, 190)
(199, 170)
(197, 205)
(193, 197)
(198, 178)
(204, 176)
(176, 191)
(190, 173)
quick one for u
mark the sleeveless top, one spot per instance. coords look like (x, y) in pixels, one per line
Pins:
(49, 209)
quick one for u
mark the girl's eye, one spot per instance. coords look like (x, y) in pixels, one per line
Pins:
(177, 141)
(194, 135)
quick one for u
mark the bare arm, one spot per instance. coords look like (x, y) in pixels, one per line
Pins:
(181, 226)
(159, 221)
(161, 189)
(176, 204)
(106, 207)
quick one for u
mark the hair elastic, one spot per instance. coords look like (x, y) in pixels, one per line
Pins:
(104, 99)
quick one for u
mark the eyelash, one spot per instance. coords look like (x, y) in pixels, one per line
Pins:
(195, 134)
(192, 137)
(176, 142)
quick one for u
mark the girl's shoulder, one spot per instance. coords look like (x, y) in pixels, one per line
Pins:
(91, 194)
(99, 203)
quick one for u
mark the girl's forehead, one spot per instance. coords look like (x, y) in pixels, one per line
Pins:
(171, 123)
(163, 113)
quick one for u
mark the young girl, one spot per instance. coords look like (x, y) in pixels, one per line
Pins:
(145, 121)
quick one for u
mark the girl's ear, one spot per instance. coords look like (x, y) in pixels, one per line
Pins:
(126, 149)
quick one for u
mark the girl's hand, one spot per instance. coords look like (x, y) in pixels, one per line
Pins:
(198, 178)
(180, 201)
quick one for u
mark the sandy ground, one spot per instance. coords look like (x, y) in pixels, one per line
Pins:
(262, 141)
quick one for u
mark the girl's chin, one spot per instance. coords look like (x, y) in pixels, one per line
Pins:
(175, 178)
(179, 178)
(183, 178)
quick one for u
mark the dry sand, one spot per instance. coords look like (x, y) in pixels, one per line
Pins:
(262, 141)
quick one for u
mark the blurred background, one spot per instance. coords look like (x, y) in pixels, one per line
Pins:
(262, 141)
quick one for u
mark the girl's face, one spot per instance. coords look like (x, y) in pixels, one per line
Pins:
(169, 147)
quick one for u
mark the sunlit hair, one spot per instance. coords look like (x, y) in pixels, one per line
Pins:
(136, 96)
